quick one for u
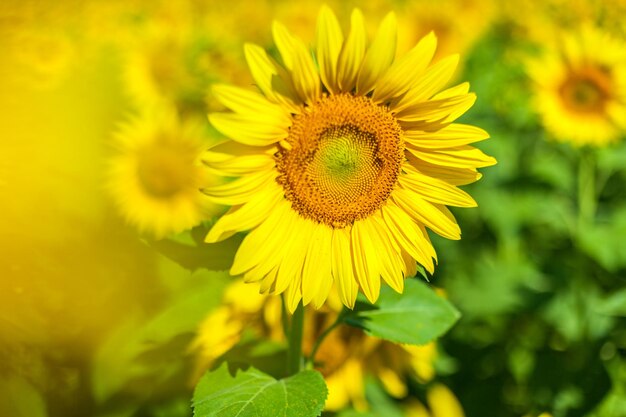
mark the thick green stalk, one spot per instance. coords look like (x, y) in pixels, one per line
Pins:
(294, 354)
(586, 188)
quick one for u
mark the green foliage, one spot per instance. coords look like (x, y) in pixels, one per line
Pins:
(417, 316)
(189, 250)
(152, 348)
(604, 242)
(18, 398)
(381, 404)
(539, 273)
(252, 393)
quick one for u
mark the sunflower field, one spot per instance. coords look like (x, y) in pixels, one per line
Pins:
(316, 208)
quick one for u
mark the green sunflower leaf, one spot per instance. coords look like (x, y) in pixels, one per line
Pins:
(416, 317)
(252, 393)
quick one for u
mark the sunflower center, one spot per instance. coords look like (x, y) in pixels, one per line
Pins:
(342, 161)
(164, 171)
(586, 91)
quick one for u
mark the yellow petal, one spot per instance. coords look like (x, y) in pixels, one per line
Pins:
(435, 189)
(414, 408)
(457, 90)
(328, 47)
(443, 403)
(231, 148)
(352, 53)
(432, 80)
(297, 58)
(269, 77)
(317, 271)
(293, 295)
(249, 129)
(459, 157)
(305, 79)
(379, 56)
(454, 176)
(453, 135)
(365, 259)
(427, 214)
(390, 258)
(399, 77)
(260, 245)
(343, 272)
(444, 110)
(229, 165)
(392, 382)
(245, 217)
(285, 42)
(295, 250)
(245, 102)
(240, 190)
(268, 280)
(259, 273)
(295, 253)
(410, 265)
(408, 234)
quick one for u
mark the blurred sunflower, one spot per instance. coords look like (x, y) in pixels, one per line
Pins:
(174, 59)
(156, 174)
(156, 72)
(346, 356)
(580, 88)
(441, 403)
(458, 24)
(342, 165)
(242, 309)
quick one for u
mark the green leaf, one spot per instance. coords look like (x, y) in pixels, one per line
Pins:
(614, 403)
(603, 241)
(354, 413)
(151, 348)
(614, 304)
(382, 404)
(417, 316)
(252, 393)
(18, 398)
(265, 355)
(192, 253)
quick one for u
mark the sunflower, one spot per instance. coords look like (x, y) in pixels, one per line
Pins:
(580, 88)
(342, 159)
(173, 61)
(156, 174)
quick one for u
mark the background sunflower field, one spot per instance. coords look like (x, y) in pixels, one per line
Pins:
(112, 305)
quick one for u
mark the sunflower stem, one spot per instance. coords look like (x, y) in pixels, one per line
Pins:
(294, 352)
(586, 189)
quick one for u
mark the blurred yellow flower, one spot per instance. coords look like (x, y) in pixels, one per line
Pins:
(156, 174)
(580, 88)
(539, 21)
(342, 164)
(156, 70)
(441, 403)
(242, 309)
(174, 58)
(345, 357)
(458, 24)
